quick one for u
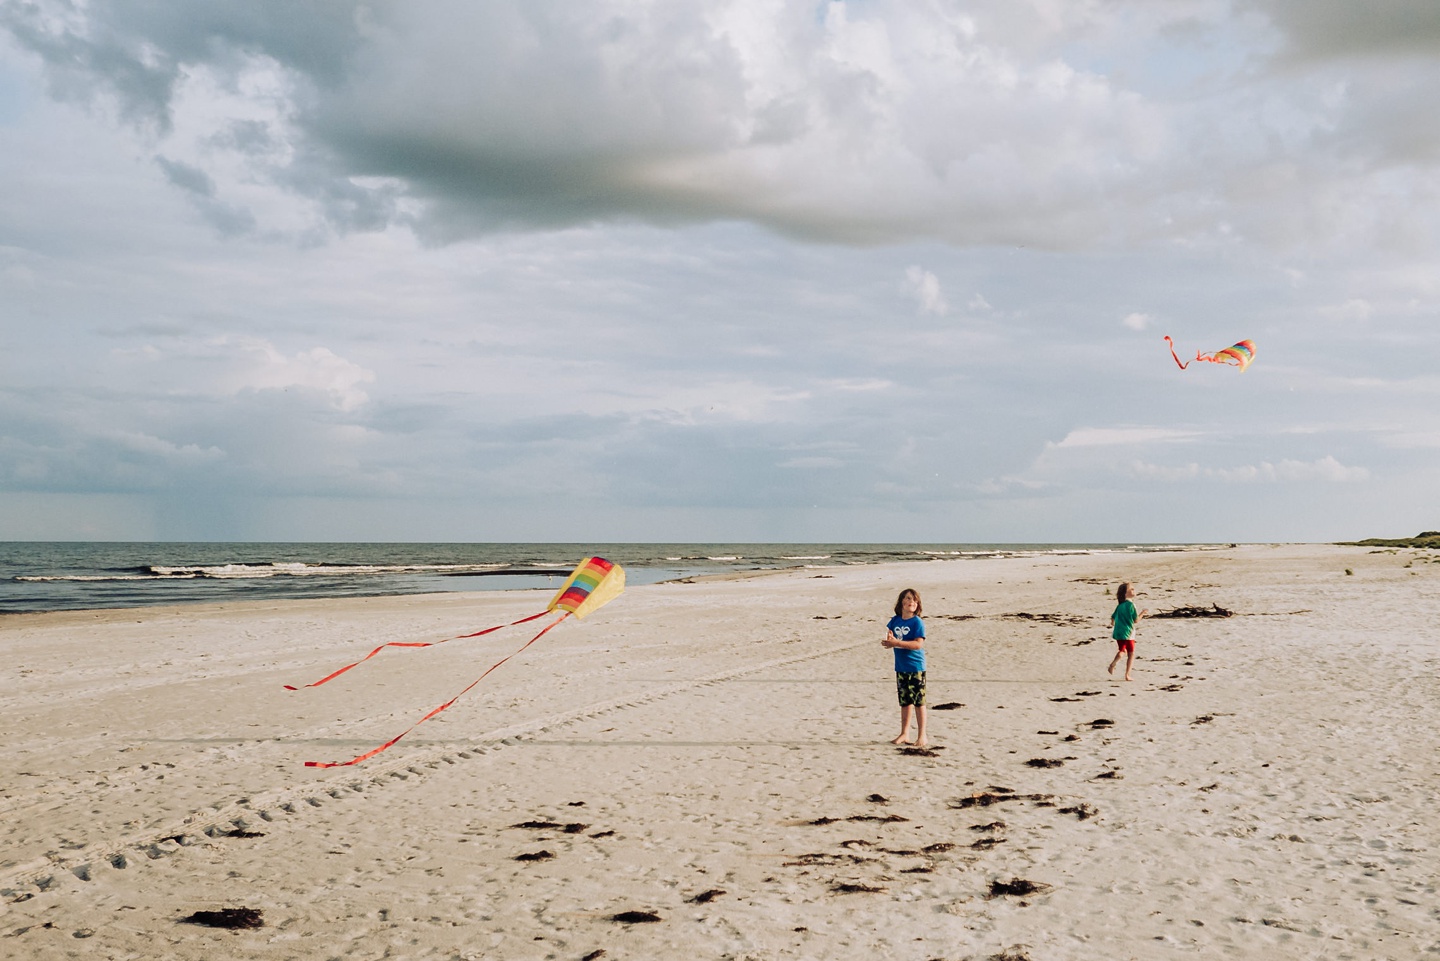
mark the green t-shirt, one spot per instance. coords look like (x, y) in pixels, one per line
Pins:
(1125, 617)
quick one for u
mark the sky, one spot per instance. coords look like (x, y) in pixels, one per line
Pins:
(749, 270)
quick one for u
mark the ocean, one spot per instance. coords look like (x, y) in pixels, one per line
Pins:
(60, 576)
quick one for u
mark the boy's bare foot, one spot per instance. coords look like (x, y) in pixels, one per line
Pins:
(1128, 678)
(922, 743)
(1111, 668)
(902, 739)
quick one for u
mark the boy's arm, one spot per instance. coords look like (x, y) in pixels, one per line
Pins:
(916, 645)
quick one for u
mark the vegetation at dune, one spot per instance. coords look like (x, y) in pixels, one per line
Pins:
(1422, 539)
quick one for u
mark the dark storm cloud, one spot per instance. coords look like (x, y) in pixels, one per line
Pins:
(1320, 29)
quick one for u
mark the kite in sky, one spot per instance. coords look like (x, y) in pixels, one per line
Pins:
(591, 585)
(1239, 355)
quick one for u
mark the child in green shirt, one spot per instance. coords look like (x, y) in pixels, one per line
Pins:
(1123, 621)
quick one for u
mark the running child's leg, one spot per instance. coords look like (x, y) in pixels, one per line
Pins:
(1129, 661)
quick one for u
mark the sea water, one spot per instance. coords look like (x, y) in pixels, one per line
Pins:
(52, 576)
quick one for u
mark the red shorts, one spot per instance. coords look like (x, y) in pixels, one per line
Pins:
(1127, 647)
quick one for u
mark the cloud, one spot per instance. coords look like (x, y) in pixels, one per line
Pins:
(996, 123)
(925, 288)
(235, 364)
(1122, 436)
(1325, 470)
(1324, 29)
(1136, 321)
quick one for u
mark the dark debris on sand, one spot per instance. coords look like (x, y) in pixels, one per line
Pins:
(1102, 722)
(1214, 610)
(985, 799)
(575, 828)
(535, 856)
(1082, 811)
(948, 706)
(593, 955)
(635, 917)
(1044, 762)
(846, 887)
(878, 799)
(705, 897)
(1016, 887)
(227, 918)
(1009, 954)
(882, 818)
(992, 826)
(241, 833)
(919, 752)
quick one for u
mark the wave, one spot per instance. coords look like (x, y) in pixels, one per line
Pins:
(287, 569)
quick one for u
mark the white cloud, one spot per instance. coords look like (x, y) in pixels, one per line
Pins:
(232, 364)
(1354, 309)
(1137, 321)
(1123, 436)
(925, 288)
(1326, 470)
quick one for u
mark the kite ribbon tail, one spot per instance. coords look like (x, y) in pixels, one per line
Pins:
(395, 740)
(488, 630)
(1175, 355)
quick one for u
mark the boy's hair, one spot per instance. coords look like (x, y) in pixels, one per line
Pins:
(915, 594)
(1122, 591)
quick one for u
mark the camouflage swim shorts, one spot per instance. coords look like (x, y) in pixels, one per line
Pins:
(911, 688)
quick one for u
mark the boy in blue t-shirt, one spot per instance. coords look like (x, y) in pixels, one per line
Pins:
(905, 634)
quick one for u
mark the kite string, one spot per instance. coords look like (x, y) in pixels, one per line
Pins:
(394, 740)
(459, 637)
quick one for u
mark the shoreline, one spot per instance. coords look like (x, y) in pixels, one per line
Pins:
(1266, 775)
(48, 577)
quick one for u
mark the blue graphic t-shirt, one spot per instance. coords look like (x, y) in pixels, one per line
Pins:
(907, 629)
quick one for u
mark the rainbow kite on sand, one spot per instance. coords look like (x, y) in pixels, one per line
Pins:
(594, 583)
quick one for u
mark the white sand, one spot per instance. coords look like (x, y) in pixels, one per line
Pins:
(1273, 788)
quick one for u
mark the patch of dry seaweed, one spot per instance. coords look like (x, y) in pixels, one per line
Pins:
(227, 918)
(1016, 887)
(635, 917)
(1214, 610)
(985, 799)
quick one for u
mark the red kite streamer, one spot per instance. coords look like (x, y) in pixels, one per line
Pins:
(592, 584)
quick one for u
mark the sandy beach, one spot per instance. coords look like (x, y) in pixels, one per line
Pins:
(702, 770)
